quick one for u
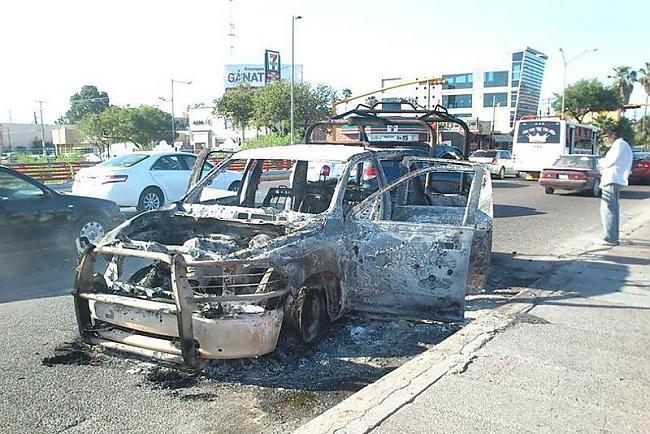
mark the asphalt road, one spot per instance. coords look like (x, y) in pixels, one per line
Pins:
(77, 391)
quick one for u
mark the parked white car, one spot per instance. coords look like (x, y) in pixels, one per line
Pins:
(146, 180)
(497, 161)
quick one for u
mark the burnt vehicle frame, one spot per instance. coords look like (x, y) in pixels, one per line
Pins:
(234, 305)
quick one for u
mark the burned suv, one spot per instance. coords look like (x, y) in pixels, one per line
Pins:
(315, 230)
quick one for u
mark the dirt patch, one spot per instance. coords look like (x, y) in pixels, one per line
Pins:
(71, 353)
(170, 379)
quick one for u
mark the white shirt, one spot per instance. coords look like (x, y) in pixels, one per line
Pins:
(616, 164)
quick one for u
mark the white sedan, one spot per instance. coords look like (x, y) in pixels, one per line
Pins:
(146, 180)
(499, 162)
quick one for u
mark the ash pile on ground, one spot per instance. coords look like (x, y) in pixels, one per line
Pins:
(351, 354)
(297, 382)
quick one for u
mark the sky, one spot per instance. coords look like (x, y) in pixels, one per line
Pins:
(133, 48)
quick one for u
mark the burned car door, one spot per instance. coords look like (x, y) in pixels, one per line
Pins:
(408, 251)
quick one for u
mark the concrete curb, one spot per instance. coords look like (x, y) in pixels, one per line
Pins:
(366, 409)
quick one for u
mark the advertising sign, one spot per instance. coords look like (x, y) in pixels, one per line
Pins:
(243, 75)
(271, 65)
(539, 132)
(248, 74)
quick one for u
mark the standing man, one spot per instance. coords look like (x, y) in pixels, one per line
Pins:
(615, 168)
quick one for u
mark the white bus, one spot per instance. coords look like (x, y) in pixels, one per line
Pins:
(539, 141)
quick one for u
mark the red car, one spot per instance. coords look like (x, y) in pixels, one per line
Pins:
(572, 172)
(640, 168)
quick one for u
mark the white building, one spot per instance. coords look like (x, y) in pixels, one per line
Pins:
(501, 92)
(213, 132)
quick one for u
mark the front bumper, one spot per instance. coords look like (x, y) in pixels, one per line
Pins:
(176, 330)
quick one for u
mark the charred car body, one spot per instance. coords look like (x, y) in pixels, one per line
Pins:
(315, 230)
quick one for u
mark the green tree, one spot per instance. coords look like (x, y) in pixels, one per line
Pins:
(346, 93)
(586, 96)
(645, 82)
(624, 78)
(272, 106)
(371, 101)
(236, 105)
(604, 122)
(143, 125)
(88, 100)
(642, 131)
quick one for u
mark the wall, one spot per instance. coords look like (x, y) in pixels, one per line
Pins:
(22, 135)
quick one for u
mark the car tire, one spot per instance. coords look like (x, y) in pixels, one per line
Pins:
(234, 186)
(309, 313)
(502, 173)
(93, 227)
(150, 199)
(595, 189)
(549, 190)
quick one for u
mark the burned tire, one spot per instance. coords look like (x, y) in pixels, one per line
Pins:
(309, 313)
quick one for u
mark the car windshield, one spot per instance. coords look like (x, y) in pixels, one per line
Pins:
(126, 160)
(577, 161)
(286, 185)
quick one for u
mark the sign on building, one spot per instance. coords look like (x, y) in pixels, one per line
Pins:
(272, 65)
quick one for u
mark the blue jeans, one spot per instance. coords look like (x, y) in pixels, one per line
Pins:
(609, 212)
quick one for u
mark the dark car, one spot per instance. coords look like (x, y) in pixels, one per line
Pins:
(572, 172)
(33, 216)
(640, 168)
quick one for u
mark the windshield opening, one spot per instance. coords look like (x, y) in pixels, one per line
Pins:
(274, 185)
(126, 160)
(539, 132)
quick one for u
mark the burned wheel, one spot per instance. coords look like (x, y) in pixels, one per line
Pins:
(309, 313)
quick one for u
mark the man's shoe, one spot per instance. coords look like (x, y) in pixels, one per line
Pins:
(606, 243)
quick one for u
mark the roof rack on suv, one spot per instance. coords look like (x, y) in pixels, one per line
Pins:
(390, 113)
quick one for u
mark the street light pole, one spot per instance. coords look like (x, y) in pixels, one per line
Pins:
(565, 63)
(293, 25)
(173, 118)
(40, 108)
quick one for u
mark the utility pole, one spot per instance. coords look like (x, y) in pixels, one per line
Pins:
(9, 131)
(293, 25)
(40, 107)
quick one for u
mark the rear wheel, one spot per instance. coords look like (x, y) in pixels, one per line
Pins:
(549, 190)
(150, 199)
(595, 189)
(502, 173)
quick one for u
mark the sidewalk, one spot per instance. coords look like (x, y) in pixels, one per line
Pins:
(572, 354)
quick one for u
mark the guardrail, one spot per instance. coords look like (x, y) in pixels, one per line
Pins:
(56, 172)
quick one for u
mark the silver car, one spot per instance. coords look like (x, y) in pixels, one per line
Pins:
(497, 161)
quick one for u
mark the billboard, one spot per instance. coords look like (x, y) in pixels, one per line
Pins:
(272, 65)
(251, 74)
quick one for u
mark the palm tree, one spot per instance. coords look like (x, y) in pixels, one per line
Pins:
(645, 82)
(347, 93)
(624, 78)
